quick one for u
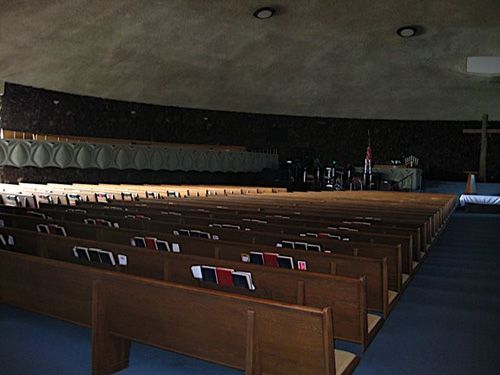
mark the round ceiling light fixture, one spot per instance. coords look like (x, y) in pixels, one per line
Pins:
(264, 13)
(407, 31)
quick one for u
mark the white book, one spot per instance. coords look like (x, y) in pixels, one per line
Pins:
(122, 260)
(196, 271)
(176, 247)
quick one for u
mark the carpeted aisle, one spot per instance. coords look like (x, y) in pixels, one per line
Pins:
(446, 322)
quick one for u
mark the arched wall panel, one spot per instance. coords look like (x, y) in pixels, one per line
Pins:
(42, 154)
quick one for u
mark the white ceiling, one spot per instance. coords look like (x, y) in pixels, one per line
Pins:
(328, 58)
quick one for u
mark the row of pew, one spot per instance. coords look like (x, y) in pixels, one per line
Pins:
(65, 194)
(347, 257)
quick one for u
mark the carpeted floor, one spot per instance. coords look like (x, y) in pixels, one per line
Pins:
(446, 322)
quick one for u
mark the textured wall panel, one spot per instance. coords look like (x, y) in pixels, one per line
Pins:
(43, 154)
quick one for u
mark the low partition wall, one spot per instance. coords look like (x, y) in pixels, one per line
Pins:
(43, 154)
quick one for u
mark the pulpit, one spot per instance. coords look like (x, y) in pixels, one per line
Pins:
(398, 176)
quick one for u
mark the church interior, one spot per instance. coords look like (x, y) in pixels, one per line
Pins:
(229, 187)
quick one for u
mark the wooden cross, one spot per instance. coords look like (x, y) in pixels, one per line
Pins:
(484, 131)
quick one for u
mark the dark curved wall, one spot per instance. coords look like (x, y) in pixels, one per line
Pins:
(444, 151)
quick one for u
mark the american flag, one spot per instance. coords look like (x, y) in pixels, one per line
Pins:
(367, 175)
(368, 157)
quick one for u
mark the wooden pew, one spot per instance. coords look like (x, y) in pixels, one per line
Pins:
(347, 296)
(380, 298)
(223, 208)
(221, 212)
(311, 198)
(377, 287)
(417, 255)
(187, 190)
(162, 191)
(372, 228)
(410, 239)
(409, 201)
(343, 213)
(171, 223)
(420, 204)
(408, 266)
(258, 336)
(168, 214)
(60, 197)
(397, 260)
(316, 202)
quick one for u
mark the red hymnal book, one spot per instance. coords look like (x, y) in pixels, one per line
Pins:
(53, 229)
(323, 235)
(224, 276)
(271, 259)
(150, 242)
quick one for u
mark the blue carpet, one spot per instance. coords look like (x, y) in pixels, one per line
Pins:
(446, 322)
(451, 187)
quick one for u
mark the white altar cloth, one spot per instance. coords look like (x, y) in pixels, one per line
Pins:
(479, 199)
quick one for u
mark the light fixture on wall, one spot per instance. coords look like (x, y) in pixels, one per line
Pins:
(407, 31)
(483, 64)
(55, 101)
(264, 13)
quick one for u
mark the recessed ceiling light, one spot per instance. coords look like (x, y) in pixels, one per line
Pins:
(407, 31)
(264, 13)
(483, 64)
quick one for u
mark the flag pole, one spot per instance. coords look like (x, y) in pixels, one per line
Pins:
(367, 175)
